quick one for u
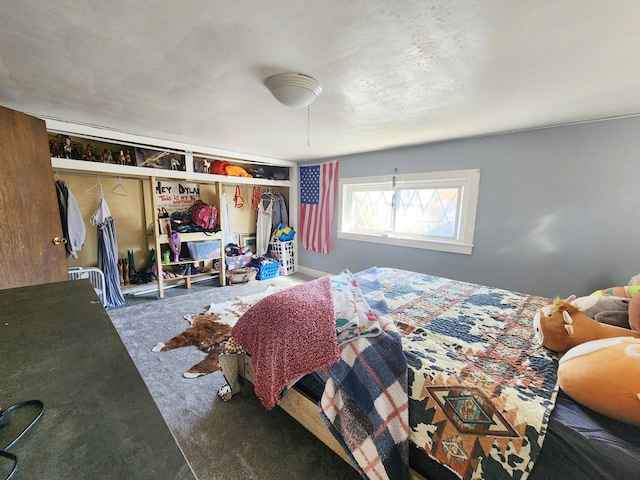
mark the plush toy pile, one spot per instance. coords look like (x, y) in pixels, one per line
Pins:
(598, 341)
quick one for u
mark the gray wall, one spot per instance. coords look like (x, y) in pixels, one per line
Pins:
(557, 211)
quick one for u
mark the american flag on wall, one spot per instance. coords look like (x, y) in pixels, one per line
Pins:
(318, 185)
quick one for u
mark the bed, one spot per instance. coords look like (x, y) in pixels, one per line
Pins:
(480, 397)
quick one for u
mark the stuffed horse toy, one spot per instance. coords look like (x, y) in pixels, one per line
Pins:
(563, 325)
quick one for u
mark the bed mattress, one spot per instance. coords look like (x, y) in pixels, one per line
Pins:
(579, 443)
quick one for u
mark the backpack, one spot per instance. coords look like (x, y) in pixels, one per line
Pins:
(204, 216)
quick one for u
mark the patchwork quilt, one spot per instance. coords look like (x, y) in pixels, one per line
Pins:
(480, 389)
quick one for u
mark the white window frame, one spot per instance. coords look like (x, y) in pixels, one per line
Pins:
(469, 182)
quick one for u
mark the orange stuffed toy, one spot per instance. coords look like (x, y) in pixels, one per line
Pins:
(601, 366)
(562, 325)
(604, 375)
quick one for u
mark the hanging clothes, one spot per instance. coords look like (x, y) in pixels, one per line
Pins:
(276, 218)
(226, 220)
(263, 227)
(284, 212)
(73, 227)
(273, 199)
(108, 252)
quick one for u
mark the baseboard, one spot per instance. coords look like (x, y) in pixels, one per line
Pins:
(312, 272)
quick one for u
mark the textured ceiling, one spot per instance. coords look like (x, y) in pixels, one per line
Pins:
(394, 72)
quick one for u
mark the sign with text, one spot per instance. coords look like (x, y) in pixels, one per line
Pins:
(176, 196)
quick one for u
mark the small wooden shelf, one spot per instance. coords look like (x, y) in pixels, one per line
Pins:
(193, 237)
(164, 239)
(139, 288)
(187, 278)
(185, 261)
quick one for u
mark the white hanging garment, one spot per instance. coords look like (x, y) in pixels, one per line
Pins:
(263, 228)
(101, 214)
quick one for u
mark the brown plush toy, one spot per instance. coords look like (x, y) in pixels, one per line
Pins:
(563, 325)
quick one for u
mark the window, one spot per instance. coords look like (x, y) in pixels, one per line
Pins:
(435, 210)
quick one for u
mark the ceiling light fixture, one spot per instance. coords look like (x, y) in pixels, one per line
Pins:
(294, 90)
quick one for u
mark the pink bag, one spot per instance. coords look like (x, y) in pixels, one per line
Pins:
(204, 216)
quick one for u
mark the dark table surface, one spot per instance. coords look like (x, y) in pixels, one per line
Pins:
(58, 345)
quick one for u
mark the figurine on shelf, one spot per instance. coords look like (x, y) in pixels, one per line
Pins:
(106, 156)
(89, 153)
(175, 164)
(121, 159)
(127, 158)
(66, 146)
(75, 152)
(54, 148)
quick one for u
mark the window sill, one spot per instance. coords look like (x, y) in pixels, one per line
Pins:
(449, 247)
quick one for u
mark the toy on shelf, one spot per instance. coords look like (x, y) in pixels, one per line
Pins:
(175, 245)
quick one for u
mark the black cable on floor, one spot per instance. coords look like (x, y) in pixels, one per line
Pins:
(4, 420)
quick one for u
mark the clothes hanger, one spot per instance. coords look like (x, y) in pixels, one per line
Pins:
(267, 196)
(119, 189)
(91, 190)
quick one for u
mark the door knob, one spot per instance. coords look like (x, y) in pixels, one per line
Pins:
(59, 241)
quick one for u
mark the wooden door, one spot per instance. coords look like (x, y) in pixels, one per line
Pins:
(30, 219)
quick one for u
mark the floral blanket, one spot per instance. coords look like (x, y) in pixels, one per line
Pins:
(480, 389)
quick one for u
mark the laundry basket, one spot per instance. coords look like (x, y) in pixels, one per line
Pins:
(95, 276)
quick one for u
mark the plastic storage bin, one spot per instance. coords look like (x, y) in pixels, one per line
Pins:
(204, 250)
(267, 270)
(283, 251)
(238, 261)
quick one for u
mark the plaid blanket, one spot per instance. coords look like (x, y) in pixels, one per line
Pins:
(365, 403)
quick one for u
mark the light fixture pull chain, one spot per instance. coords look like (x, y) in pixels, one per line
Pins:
(308, 125)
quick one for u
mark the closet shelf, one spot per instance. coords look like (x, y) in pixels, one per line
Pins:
(144, 172)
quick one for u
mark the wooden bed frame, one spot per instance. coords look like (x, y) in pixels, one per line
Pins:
(303, 409)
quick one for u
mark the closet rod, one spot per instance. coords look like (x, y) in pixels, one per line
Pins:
(101, 175)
